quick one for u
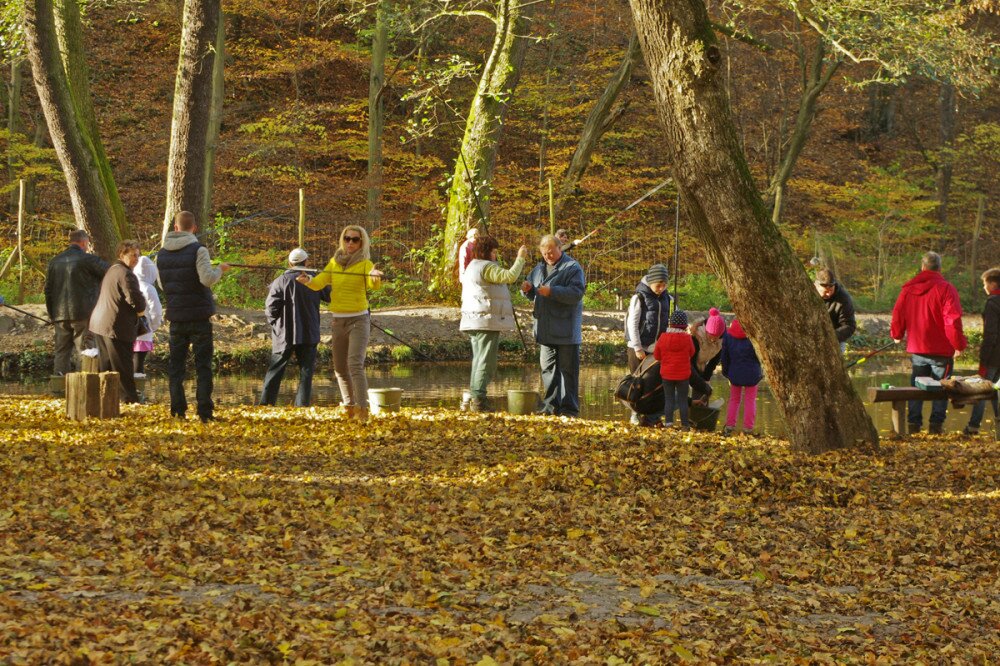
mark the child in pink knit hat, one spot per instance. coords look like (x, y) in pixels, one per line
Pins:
(707, 334)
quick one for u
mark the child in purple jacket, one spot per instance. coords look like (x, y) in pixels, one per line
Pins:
(741, 367)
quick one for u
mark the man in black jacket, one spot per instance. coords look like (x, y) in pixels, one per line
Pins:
(187, 277)
(838, 304)
(72, 282)
(989, 352)
(292, 310)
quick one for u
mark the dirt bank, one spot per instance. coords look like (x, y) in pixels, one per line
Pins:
(242, 337)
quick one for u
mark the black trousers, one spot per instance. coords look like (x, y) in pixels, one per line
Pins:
(197, 336)
(116, 356)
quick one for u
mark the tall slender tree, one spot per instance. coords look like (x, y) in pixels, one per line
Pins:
(768, 287)
(376, 113)
(197, 111)
(52, 33)
(469, 193)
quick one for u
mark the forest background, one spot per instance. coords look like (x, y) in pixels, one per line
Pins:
(867, 166)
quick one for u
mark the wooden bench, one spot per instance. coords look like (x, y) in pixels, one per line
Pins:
(900, 395)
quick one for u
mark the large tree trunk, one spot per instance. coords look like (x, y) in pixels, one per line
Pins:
(56, 57)
(602, 117)
(770, 291)
(376, 114)
(214, 120)
(469, 194)
(946, 130)
(192, 116)
(816, 74)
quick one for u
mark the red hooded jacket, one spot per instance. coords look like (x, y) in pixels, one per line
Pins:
(929, 314)
(674, 350)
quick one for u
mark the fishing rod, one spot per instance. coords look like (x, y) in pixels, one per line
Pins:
(869, 355)
(303, 269)
(397, 339)
(677, 243)
(627, 208)
(5, 304)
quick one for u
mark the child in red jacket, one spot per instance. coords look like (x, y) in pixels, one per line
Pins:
(674, 351)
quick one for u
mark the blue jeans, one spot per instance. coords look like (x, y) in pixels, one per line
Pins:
(675, 396)
(937, 367)
(306, 357)
(561, 378)
(979, 409)
(196, 335)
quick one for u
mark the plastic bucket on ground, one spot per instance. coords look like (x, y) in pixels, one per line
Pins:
(706, 417)
(521, 402)
(385, 399)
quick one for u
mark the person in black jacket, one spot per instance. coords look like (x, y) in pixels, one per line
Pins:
(72, 280)
(292, 310)
(116, 315)
(989, 352)
(838, 304)
(187, 277)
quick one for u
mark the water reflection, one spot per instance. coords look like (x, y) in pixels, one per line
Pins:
(441, 385)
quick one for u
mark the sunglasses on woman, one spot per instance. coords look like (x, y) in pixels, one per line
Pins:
(352, 239)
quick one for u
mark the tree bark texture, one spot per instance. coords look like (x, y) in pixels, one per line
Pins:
(52, 47)
(769, 289)
(192, 115)
(469, 193)
(600, 120)
(947, 130)
(214, 120)
(376, 114)
(816, 74)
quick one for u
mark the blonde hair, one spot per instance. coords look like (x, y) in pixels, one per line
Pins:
(365, 243)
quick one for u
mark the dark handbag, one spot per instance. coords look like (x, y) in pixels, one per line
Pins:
(141, 326)
(642, 389)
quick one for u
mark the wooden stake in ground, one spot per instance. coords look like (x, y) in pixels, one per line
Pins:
(770, 291)
(20, 243)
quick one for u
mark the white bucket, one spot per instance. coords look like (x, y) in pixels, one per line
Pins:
(385, 399)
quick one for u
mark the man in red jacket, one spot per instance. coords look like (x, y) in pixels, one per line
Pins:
(929, 314)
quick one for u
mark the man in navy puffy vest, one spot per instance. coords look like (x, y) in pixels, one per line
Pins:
(187, 277)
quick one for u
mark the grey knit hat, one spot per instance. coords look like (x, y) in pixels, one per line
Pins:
(657, 273)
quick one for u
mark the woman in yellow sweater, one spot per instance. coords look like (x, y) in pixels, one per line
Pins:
(350, 275)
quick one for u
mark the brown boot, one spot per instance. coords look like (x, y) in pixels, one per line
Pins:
(360, 414)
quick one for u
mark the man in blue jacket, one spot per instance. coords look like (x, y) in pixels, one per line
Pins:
(292, 310)
(556, 285)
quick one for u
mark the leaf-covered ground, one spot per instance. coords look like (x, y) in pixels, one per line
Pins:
(289, 536)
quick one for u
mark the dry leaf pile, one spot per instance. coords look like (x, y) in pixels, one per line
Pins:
(289, 536)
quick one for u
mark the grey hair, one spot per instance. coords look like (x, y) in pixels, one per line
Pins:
(931, 261)
(549, 239)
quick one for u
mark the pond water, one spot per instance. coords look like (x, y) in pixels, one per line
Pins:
(441, 385)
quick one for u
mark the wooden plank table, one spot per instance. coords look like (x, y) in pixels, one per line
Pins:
(899, 396)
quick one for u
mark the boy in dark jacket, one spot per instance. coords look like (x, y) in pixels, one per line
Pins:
(742, 368)
(989, 353)
(674, 350)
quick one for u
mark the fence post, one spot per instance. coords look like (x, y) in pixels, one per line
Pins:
(20, 243)
(302, 217)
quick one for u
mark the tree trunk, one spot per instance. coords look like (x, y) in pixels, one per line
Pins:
(769, 289)
(815, 77)
(974, 259)
(214, 120)
(192, 115)
(602, 117)
(14, 123)
(56, 57)
(376, 115)
(469, 193)
(948, 111)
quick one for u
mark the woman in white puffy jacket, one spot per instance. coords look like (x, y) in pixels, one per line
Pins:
(146, 271)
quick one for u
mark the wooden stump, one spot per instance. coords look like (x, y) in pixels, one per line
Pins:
(90, 363)
(92, 395)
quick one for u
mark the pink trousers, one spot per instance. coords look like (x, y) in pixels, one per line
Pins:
(747, 395)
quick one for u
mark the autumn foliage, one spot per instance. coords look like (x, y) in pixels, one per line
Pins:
(289, 536)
